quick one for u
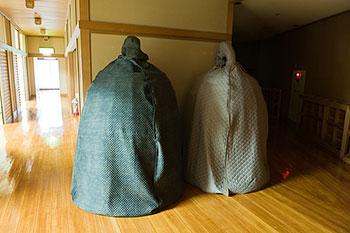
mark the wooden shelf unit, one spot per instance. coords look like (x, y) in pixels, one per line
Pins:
(329, 121)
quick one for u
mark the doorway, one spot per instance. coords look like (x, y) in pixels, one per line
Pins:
(46, 72)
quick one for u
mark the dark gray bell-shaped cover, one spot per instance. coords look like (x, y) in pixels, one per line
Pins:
(128, 154)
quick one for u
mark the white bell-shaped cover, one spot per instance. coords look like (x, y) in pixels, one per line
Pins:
(228, 130)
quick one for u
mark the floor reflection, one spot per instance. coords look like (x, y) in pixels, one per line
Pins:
(6, 186)
(49, 116)
(25, 117)
(41, 122)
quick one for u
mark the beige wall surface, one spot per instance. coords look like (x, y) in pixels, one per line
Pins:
(23, 42)
(2, 29)
(33, 45)
(208, 15)
(182, 61)
(322, 49)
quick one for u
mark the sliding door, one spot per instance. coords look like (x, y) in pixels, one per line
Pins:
(19, 84)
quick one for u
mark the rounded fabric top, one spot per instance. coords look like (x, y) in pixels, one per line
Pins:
(132, 49)
(225, 56)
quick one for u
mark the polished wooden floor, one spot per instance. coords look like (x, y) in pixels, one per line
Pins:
(309, 190)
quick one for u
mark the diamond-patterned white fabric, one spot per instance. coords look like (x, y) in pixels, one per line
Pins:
(228, 130)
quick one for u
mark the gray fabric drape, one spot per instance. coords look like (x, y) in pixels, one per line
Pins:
(128, 154)
(228, 130)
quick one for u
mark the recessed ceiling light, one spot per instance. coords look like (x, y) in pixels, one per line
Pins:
(37, 20)
(30, 4)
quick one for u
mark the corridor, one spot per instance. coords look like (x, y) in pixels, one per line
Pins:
(309, 190)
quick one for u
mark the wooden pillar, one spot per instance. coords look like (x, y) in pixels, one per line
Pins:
(71, 75)
(230, 17)
(84, 52)
(345, 137)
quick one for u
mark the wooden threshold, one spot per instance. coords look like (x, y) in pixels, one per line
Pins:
(57, 55)
(49, 89)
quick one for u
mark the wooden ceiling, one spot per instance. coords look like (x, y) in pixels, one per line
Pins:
(52, 12)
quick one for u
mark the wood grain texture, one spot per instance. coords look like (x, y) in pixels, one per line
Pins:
(152, 31)
(84, 9)
(230, 17)
(71, 75)
(309, 190)
(84, 63)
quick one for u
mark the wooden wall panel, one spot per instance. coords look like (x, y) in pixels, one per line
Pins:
(71, 75)
(84, 53)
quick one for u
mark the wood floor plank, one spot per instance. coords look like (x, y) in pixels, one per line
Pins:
(312, 197)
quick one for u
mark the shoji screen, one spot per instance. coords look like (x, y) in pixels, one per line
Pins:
(5, 87)
(17, 81)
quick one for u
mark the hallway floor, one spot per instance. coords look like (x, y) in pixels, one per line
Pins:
(309, 190)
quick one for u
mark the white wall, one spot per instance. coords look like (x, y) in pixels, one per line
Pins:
(63, 76)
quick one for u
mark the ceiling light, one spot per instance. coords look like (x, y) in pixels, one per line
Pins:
(30, 4)
(37, 20)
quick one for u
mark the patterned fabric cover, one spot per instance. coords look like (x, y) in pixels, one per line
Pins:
(229, 128)
(128, 154)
